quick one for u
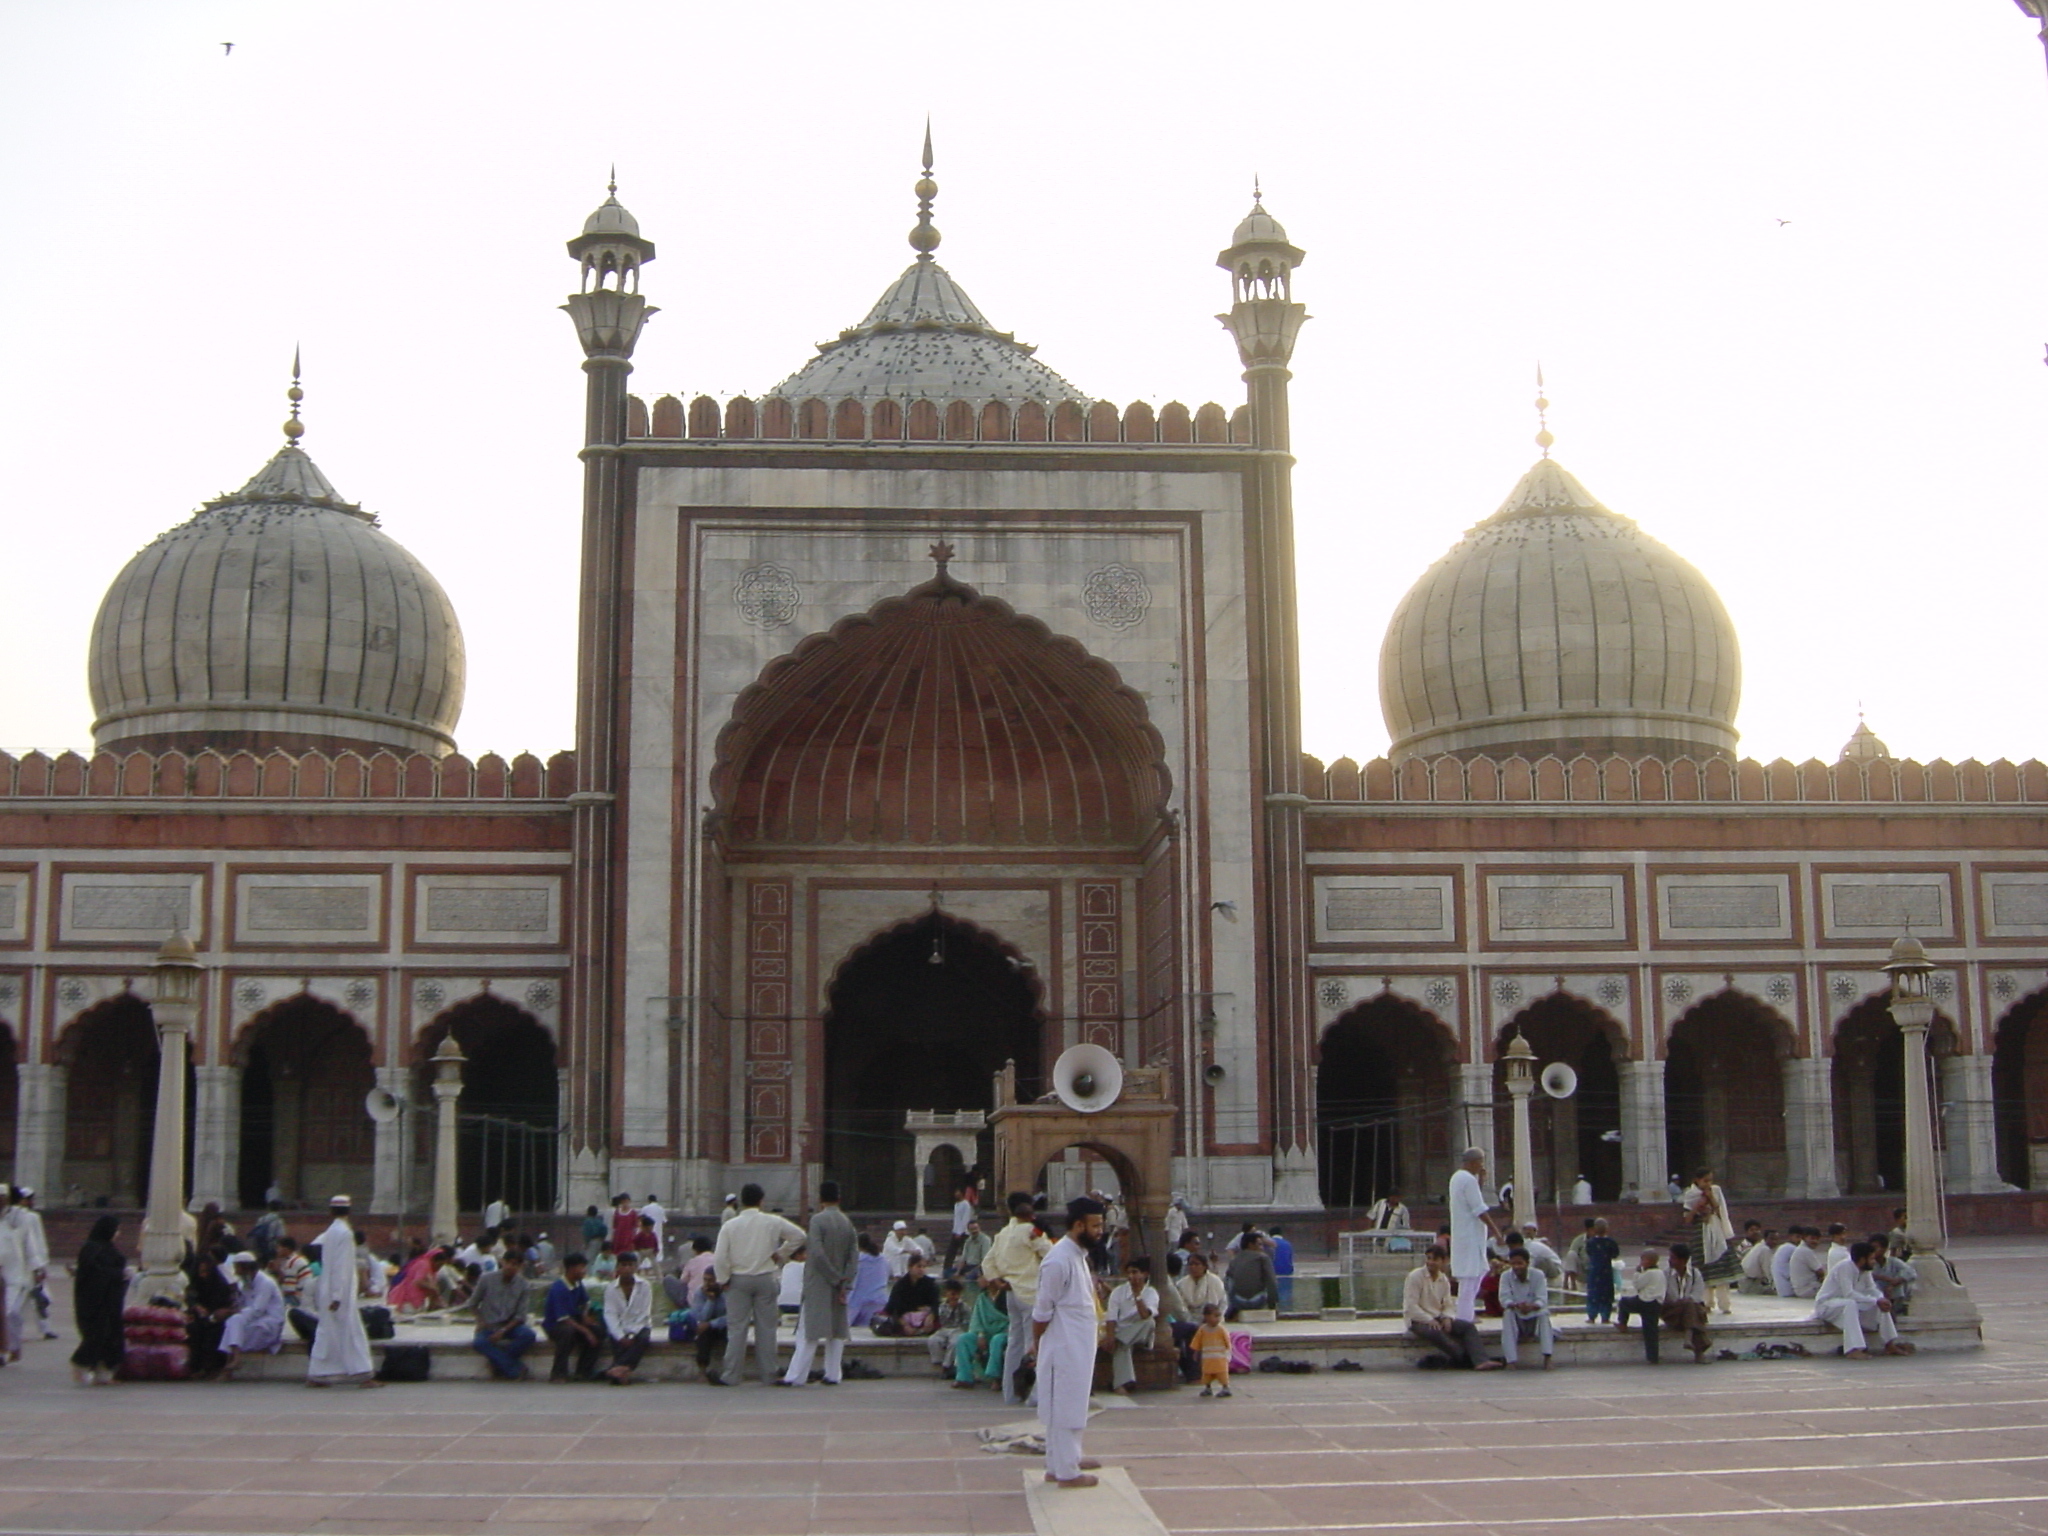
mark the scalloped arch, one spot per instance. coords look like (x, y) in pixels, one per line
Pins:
(940, 718)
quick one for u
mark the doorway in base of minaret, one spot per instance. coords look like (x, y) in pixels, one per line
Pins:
(1384, 1104)
(921, 1017)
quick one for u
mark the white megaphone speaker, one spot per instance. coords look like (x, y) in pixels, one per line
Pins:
(1559, 1080)
(384, 1106)
(1087, 1078)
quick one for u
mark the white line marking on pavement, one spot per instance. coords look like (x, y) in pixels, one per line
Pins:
(1580, 1517)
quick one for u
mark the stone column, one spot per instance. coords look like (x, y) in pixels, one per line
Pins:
(1968, 1126)
(447, 1096)
(216, 1135)
(1810, 1129)
(39, 1129)
(1474, 1122)
(1644, 1153)
(174, 1007)
(392, 1142)
(1521, 1062)
(1939, 1298)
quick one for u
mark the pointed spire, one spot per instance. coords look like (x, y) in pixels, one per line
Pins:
(925, 238)
(294, 429)
(1543, 436)
(612, 185)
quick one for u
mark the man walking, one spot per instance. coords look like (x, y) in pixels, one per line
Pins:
(1472, 1224)
(1013, 1257)
(1063, 1339)
(830, 1253)
(341, 1349)
(26, 1220)
(743, 1263)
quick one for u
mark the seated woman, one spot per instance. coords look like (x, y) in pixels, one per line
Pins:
(978, 1352)
(416, 1289)
(913, 1306)
(210, 1302)
(870, 1284)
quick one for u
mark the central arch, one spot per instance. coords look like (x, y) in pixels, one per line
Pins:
(508, 1146)
(1581, 1134)
(1868, 1082)
(1384, 1103)
(305, 1131)
(920, 1017)
(1724, 1093)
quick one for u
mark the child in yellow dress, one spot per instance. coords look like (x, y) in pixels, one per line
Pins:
(1211, 1344)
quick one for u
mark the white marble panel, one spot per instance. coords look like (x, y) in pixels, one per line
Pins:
(1556, 908)
(1714, 907)
(15, 892)
(1883, 904)
(140, 909)
(1378, 909)
(307, 909)
(2015, 904)
(487, 909)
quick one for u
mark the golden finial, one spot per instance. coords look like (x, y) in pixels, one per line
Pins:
(925, 238)
(294, 429)
(1543, 437)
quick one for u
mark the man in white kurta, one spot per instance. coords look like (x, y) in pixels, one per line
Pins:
(1065, 1327)
(257, 1326)
(341, 1349)
(1849, 1300)
(28, 1221)
(17, 1279)
(1471, 1225)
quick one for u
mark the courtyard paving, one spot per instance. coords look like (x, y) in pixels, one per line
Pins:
(1956, 1444)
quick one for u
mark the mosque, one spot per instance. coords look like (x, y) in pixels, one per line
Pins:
(933, 714)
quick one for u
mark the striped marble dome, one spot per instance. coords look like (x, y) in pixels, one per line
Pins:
(1557, 625)
(278, 616)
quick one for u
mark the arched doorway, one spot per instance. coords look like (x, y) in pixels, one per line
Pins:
(305, 1132)
(1578, 1135)
(922, 1017)
(1384, 1103)
(2019, 1091)
(110, 1102)
(1868, 1082)
(10, 1092)
(509, 1146)
(1724, 1093)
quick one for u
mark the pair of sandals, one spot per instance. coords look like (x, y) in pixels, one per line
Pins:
(1088, 1465)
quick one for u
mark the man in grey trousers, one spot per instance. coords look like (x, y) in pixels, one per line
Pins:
(830, 1253)
(1014, 1257)
(744, 1264)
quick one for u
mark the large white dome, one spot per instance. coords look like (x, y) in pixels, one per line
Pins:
(278, 616)
(1557, 625)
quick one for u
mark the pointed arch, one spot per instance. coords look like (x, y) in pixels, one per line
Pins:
(111, 1052)
(1581, 1134)
(1724, 1091)
(1385, 1102)
(941, 717)
(511, 1107)
(2019, 1090)
(1868, 1084)
(306, 1067)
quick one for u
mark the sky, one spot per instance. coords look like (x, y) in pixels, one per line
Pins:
(1785, 268)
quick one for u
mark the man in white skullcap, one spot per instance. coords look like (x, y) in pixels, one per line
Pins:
(341, 1349)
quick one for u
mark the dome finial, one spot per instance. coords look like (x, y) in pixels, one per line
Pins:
(925, 238)
(1543, 437)
(612, 185)
(294, 429)
(1258, 197)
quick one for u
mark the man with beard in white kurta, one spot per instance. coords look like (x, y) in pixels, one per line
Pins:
(1472, 1224)
(1065, 1326)
(341, 1349)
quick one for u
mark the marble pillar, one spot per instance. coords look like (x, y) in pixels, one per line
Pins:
(1644, 1152)
(39, 1129)
(1810, 1129)
(1474, 1125)
(216, 1135)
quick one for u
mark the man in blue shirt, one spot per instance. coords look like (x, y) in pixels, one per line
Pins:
(1283, 1266)
(569, 1321)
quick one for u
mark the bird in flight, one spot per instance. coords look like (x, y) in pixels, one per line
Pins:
(1783, 222)
(226, 49)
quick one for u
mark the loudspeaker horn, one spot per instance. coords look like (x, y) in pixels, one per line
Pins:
(1087, 1078)
(1214, 1073)
(384, 1106)
(1559, 1080)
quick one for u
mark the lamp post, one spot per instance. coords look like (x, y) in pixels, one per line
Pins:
(1938, 1297)
(173, 1006)
(448, 1062)
(1521, 1062)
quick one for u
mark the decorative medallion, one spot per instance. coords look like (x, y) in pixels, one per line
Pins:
(1507, 992)
(1678, 989)
(1611, 991)
(1335, 994)
(430, 994)
(767, 596)
(540, 995)
(1844, 988)
(72, 992)
(1440, 992)
(1779, 989)
(1941, 986)
(250, 994)
(1116, 596)
(359, 993)
(2005, 986)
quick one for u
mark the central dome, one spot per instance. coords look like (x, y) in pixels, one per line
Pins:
(280, 616)
(1559, 626)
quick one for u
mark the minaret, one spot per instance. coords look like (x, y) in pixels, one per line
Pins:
(609, 314)
(1265, 320)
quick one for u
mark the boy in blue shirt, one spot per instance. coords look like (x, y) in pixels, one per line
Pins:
(1283, 1267)
(569, 1321)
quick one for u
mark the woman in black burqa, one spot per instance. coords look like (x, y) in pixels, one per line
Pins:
(98, 1292)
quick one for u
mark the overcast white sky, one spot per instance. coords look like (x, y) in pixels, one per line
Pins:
(1838, 419)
